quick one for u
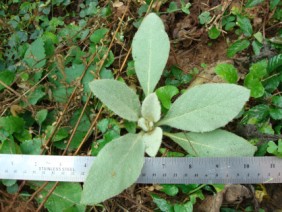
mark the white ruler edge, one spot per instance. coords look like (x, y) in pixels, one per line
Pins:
(163, 170)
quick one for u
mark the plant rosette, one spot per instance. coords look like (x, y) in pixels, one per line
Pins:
(199, 112)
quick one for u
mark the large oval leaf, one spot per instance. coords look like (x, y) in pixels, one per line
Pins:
(117, 97)
(218, 143)
(150, 50)
(117, 166)
(206, 107)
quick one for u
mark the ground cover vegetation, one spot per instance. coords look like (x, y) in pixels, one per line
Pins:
(148, 76)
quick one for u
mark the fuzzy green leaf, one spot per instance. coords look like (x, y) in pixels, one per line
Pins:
(150, 50)
(206, 107)
(217, 143)
(152, 141)
(118, 97)
(117, 166)
(151, 108)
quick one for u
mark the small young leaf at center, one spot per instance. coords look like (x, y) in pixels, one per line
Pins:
(151, 108)
(152, 141)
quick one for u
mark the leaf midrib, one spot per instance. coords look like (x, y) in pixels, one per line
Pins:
(192, 111)
(191, 141)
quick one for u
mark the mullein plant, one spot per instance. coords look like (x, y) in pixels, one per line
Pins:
(198, 112)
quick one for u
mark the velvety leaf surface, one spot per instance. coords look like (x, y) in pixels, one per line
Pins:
(118, 97)
(150, 49)
(206, 107)
(217, 143)
(152, 141)
(151, 108)
(117, 166)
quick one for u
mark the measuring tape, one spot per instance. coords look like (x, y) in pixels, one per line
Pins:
(222, 170)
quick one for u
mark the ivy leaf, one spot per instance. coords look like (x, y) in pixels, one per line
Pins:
(41, 116)
(7, 77)
(227, 72)
(166, 93)
(31, 147)
(64, 197)
(245, 25)
(36, 95)
(35, 54)
(97, 36)
(152, 141)
(12, 124)
(109, 174)
(217, 143)
(118, 97)
(150, 50)
(151, 108)
(237, 46)
(9, 146)
(206, 107)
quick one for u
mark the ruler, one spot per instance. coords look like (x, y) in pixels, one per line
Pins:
(185, 170)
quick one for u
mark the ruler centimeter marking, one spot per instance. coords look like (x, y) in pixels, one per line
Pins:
(221, 170)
